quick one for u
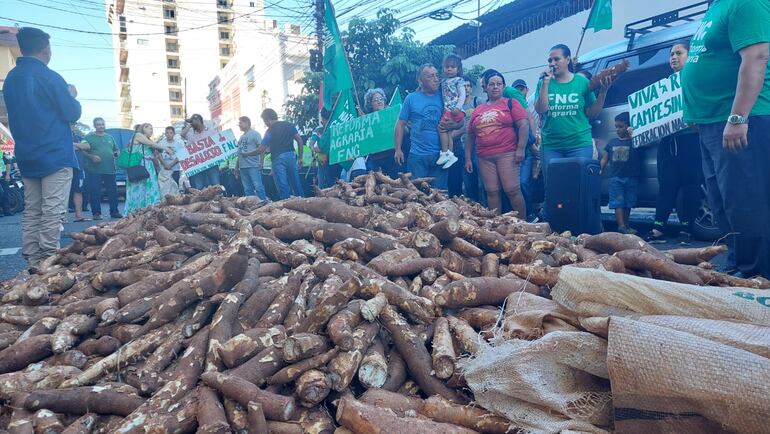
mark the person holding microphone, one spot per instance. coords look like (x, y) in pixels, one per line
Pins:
(566, 105)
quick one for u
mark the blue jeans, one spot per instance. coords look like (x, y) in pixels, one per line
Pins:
(286, 175)
(738, 189)
(251, 179)
(586, 152)
(525, 179)
(206, 178)
(424, 166)
(623, 192)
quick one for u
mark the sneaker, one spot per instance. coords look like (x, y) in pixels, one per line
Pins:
(116, 215)
(97, 217)
(452, 160)
(443, 157)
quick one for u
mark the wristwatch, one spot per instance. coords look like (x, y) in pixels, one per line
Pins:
(738, 120)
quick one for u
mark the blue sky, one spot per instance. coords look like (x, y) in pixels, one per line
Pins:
(86, 60)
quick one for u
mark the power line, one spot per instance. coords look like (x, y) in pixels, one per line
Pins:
(133, 34)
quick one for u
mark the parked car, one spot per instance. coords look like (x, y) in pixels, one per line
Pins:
(646, 46)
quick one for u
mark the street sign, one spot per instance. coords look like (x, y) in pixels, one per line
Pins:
(363, 135)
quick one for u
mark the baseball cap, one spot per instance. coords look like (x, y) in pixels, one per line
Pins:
(520, 83)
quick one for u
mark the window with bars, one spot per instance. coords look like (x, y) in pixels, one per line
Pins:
(249, 75)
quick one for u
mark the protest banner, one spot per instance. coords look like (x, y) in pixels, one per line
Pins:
(363, 135)
(207, 152)
(657, 110)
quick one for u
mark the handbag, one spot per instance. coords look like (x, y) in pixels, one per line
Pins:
(128, 158)
(136, 172)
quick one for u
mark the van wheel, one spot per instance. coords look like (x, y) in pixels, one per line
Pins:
(705, 227)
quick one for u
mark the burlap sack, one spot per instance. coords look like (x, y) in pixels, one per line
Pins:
(670, 381)
(528, 316)
(591, 292)
(555, 383)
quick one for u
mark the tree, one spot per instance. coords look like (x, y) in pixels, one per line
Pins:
(380, 56)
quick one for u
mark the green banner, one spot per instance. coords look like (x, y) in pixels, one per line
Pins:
(363, 135)
(336, 71)
(601, 16)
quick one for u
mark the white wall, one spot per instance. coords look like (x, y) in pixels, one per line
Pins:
(273, 61)
(525, 57)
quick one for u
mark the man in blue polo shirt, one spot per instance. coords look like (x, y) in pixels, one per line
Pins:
(40, 111)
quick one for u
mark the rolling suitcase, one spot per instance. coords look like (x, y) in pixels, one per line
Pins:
(573, 195)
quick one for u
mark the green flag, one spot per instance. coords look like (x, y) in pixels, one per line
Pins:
(336, 71)
(601, 16)
(396, 98)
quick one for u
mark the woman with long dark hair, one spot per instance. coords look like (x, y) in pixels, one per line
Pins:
(679, 169)
(566, 105)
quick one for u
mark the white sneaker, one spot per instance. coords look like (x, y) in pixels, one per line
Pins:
(443, 157)
(452, 160)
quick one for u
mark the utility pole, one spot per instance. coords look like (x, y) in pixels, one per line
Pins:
(319, 31)
(478, 26)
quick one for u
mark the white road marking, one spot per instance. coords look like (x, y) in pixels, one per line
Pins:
(11, 251)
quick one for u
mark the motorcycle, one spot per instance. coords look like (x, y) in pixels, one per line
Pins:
(15, 193)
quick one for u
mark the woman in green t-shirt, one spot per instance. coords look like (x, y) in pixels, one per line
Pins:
(566, 105)
(679, 169)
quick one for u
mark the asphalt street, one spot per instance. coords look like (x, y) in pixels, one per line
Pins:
(11, 261)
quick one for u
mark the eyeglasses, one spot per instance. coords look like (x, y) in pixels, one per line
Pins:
(378, 99)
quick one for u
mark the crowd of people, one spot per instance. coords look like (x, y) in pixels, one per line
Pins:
(494, 148)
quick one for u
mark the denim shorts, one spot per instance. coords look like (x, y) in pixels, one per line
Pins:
(623, 192)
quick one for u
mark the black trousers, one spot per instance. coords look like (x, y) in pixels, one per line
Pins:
(738, 187)
(95, 183)
(679, 169)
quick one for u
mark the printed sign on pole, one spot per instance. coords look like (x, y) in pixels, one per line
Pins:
(207, 152)
(363, 135)
(657, 110)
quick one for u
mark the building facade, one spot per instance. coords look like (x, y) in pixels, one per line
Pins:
(9, 51)
(168, 51)
(262, 74)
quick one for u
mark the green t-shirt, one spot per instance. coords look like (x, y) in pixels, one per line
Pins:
(565, 125)
(511, 92)
(710, 77)
(103, 147)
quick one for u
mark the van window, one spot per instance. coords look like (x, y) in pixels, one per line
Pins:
(646, 67)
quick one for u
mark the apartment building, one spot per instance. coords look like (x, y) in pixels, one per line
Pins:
(263, 73)
(167, 52)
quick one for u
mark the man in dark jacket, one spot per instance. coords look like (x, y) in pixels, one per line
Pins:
(40, 111)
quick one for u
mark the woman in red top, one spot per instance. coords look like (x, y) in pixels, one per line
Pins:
(496, 140)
